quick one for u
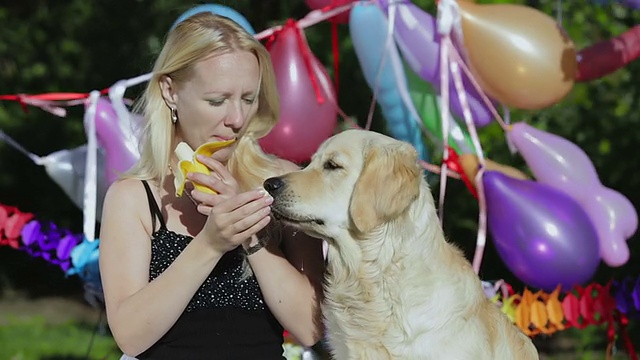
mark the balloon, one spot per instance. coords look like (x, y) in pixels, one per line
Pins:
(417, 37)
(342, 18)
(367, 26)
(561, 164)
(85, 264)
(67, 168)
(471, 165)
(543, 236)
(218, 10)
(120, 150)
(605, 57)
(307, 117)
(427, 104)
(519, 55)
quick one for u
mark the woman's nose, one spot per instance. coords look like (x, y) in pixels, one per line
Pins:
(235, 116)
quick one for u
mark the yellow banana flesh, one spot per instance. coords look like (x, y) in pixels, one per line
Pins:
(188, 162)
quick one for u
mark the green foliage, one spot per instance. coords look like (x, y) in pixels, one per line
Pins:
(34, 339)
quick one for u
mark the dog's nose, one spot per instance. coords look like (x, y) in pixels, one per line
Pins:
(273, 185)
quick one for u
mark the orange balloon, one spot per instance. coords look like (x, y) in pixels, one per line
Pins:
(519, 55)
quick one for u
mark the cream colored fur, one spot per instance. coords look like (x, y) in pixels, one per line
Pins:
(395, 289)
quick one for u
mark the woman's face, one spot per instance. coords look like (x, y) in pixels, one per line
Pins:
(216, 103)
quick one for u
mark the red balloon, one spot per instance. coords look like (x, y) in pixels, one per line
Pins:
(342, 18)
(605, 57)
(308, 112)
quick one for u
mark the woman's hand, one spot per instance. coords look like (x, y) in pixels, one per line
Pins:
(233, 217)
(220, 180)
(236, 219)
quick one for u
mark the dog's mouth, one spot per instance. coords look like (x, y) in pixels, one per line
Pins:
(279, 215)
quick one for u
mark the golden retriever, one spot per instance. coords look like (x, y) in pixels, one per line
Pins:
(395, 288)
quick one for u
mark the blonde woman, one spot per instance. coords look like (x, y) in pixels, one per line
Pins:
(206, 276)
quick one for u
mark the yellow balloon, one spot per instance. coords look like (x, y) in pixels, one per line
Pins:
(519, 55)
(471, 165)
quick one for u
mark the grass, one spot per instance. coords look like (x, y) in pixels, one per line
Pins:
(38, 338)
(35, 339)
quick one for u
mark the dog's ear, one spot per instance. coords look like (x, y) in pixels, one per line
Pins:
(388, 184)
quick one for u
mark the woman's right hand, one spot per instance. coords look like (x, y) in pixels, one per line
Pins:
(234, 219)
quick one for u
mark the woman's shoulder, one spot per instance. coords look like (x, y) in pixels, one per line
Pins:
(126, 193)
(126, 200)
(125, 187)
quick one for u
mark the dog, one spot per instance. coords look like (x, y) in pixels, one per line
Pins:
(395, 288)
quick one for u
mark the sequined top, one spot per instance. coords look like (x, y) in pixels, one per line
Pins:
(226, 318)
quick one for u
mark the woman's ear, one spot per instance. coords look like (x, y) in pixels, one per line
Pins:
(168, 90)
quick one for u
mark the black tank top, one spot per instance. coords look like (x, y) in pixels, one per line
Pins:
(226, 318)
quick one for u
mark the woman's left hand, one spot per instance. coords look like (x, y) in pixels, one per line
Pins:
(220, 180)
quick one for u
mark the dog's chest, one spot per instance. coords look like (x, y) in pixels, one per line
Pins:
(361, 309)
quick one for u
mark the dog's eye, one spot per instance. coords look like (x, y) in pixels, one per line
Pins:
(331, 165)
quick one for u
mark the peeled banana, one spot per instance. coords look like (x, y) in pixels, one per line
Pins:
(188, 162)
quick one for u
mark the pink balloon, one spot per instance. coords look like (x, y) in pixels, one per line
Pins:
(615, 220)
(120, 150)
(561, 164)
(305, 120)
(342, 18)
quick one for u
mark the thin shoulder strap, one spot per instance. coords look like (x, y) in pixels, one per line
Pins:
(153, 206)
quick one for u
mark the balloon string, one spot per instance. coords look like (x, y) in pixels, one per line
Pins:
(401, 80)
(388, 44)
(312, 18)
(444, 116)
(475, 84)
(14, 144)
(306, 57)
(335, 47)
(481, 239)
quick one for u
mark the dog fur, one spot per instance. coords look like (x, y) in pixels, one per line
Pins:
(395, 288)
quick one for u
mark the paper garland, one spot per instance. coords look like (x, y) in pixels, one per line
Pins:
(545, 313)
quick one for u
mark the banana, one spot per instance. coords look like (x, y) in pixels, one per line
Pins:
(188, 162)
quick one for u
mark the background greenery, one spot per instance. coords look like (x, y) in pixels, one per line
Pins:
(78, 46)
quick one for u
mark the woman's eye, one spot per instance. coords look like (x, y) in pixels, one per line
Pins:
(216, 102)
(249, 101)
(331, 165)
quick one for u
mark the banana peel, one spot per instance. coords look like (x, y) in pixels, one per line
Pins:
(188, 162)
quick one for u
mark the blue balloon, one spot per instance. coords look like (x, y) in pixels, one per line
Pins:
(368, 28)
(218, 10)
(84, 261)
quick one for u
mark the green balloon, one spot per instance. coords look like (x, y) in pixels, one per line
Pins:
(426, 103)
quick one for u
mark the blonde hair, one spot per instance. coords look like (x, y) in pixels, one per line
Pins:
(192, 40)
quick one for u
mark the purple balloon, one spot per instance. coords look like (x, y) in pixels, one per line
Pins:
(554, 160)
(561, 164)
(418, 39)
(120, 151)
(543, 236)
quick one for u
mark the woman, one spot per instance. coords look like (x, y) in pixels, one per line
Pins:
(207, 276)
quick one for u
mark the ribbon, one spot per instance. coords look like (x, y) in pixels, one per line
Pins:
(50, 102)
(91, 169)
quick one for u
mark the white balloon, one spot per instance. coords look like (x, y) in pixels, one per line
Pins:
(67, 167)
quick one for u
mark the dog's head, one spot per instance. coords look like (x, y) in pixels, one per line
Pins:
(357, 180)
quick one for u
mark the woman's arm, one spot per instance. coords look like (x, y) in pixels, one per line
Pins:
(291, 283)
(290, 273)
(140, 312)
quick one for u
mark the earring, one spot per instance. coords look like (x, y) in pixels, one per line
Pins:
(174, 115)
